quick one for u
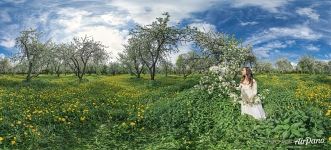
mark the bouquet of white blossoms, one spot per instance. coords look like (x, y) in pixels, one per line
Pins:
(256, 99)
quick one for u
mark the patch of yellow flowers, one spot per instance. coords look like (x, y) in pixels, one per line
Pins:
(311, 92)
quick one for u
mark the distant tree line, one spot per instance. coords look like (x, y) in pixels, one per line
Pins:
(306, 64)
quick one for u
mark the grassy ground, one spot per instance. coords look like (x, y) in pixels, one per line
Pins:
(59, 113)
(127, 113)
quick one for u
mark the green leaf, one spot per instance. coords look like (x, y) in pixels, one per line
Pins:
(296, 125)
(285, 134)
(277, 128)
(286, 121)
(286, 127)
(302, 130)
(296, 133)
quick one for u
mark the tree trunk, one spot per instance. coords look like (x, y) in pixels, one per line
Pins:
(166, 72)
(153, 72)
(28, 77)
(80, 78)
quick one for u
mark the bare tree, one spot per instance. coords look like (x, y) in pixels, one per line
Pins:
(32, 51)
(82, 51)
(157, 40)
(131, 59)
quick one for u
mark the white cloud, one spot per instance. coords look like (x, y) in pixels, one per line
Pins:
(73, 22)
(290, 42)
(144, 12)
(115, 19)
(309, 12)
(297, 32)
(7, 42)
(112, 38)
(204, 27)
(248, 23)
(8, 34)
(275, 44)
(262, 53)
(264, 50)
(269, 5)
(311, 47)
(71, 19)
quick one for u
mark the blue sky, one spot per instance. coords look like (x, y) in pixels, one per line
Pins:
(275, 28)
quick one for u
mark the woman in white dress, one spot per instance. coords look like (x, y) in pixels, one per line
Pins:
(250, 103)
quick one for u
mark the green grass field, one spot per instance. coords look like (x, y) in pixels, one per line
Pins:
(122, 112)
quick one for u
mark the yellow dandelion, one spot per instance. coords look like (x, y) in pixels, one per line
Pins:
(1, 139)
(330, 138)
(13, 142)
(82, 118)
(132, 123)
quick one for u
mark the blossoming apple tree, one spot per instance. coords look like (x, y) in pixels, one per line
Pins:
(228, 55)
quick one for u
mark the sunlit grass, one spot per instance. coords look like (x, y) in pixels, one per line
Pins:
(110, 111)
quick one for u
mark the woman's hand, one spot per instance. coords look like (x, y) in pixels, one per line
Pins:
(238, 87)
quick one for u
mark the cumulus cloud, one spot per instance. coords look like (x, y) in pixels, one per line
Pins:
(248, 23)
(264, 50)
(268, 5)
(309, 12)
(7, 42)
(296, 32)
(110, 37)
(311, 47)
(143, 11)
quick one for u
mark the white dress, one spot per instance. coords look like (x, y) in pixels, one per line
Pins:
(248, 96)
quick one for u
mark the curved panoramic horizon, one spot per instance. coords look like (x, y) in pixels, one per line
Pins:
(275, 28)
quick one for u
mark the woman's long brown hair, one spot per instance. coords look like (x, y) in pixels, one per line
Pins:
(249, 76)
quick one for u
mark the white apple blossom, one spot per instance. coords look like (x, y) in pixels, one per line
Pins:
(219, 79)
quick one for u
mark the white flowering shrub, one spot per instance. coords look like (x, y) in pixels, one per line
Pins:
(219, 80)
